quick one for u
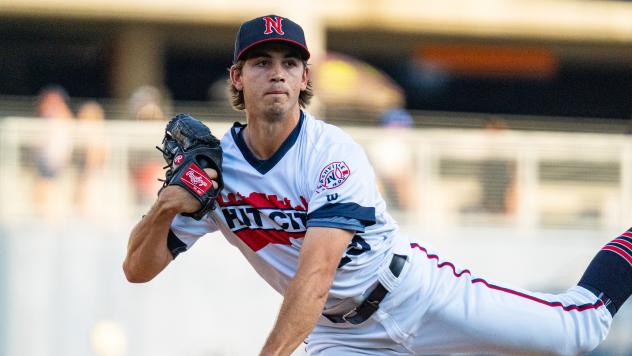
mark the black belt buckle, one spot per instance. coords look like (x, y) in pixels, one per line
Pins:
(350, 315)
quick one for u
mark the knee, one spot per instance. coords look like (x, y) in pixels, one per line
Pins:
(582, 344)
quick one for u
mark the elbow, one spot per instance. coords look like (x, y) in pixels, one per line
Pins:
(135, 276)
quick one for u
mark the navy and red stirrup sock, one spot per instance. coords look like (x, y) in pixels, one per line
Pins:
(609, 275)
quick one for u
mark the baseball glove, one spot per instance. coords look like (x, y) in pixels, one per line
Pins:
(188, 147)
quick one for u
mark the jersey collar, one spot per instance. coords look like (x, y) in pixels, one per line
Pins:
(263, 166)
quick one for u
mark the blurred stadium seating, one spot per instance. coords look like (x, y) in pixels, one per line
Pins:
(541, 179)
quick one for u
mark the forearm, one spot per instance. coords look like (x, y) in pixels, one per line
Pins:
(147, 251)
(302, 306)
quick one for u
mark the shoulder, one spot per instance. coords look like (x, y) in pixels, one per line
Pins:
(321, 136)
(331, 152)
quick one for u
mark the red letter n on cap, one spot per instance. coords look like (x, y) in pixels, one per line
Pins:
(276, 25)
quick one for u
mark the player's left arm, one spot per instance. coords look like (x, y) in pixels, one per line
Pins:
(307, 292)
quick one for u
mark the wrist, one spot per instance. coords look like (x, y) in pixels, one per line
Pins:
(280, 343)
(272, 351)
(166, 207)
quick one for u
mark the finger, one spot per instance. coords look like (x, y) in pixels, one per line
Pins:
(215, 184)
(211, 172)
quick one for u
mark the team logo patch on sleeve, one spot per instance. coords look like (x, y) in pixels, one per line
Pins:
(196, 179)
(333, 175)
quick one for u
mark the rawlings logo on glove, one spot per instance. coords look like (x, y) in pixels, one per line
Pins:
(188, 148)
(196, 179)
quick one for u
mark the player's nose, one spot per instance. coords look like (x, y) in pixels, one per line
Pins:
(277, 74)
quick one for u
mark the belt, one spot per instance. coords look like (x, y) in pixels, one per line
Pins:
(363, 311)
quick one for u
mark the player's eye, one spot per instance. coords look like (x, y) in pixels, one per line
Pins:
(291, 63)
(261, 62)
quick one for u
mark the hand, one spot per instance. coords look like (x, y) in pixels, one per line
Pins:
(181, 201)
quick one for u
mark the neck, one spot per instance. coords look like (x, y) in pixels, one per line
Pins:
(265, 135)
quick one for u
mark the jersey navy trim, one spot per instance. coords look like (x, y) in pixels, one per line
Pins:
(338, 222)
(175, 245)
(263, 166)
(347, 210)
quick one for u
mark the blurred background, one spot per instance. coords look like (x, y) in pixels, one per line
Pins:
(499, 131)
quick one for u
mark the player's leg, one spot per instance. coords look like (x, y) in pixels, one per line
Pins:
(469, 314)
(341, 350)
(609, 275)
(514, 323)
(440, 308)
(370, 338)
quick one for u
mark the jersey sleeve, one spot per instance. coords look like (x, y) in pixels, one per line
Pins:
(185, 231)
(343, 192)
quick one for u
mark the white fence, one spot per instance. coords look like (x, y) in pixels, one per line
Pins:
(436, 178)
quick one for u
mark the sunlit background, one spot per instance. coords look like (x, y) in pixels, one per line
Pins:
(499, 131)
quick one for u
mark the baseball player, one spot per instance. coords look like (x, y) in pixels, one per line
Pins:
(298, 198)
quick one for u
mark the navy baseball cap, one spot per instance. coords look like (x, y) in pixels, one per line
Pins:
(270, 28)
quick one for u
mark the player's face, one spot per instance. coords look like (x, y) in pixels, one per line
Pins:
(272, 79)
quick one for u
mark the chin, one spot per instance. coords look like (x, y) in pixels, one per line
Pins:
(276, 110)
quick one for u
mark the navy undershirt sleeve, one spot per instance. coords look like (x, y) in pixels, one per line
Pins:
(175, 245)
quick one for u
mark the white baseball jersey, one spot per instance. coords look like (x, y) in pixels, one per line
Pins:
(318, 177)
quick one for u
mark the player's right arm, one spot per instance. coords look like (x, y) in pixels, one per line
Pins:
(147, 250)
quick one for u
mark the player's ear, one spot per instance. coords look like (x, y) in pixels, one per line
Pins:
(305, 78)
(235, 77)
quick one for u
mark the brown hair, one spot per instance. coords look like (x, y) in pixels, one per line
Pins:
(237, 96)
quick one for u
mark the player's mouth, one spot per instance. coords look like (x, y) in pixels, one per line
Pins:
(276, 92)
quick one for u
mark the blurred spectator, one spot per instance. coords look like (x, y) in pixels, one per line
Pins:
(52, 103)
(90, 110)
(147, 103)
(53, 156)
(497, 177)
(91, 159)
(218, 91)
(396, 118)
(337, 76)
(394, 161)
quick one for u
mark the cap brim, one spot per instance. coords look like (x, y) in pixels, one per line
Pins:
(301, 47)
